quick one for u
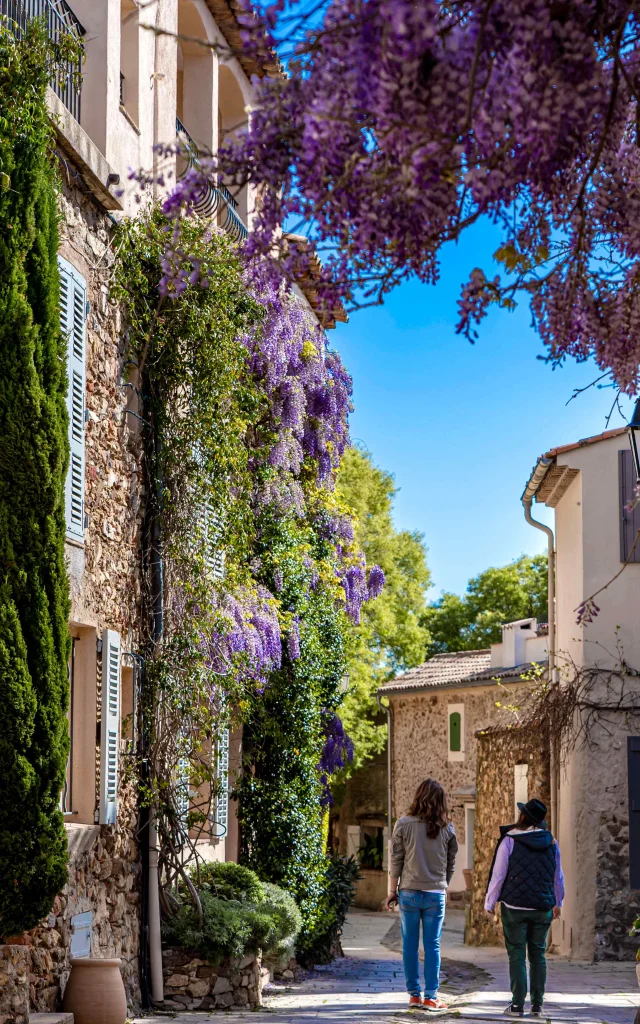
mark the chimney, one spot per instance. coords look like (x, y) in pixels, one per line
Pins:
(514, 640)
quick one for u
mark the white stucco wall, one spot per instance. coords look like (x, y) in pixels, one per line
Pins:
(592, 785)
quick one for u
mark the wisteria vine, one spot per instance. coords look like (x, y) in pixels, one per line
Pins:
(398, 125)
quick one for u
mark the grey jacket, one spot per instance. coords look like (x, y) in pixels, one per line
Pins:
(420, 862)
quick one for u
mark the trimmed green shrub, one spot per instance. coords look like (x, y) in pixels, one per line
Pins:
(288, 921)
(34, 592)
(233, 927)
(230, 881)
(320, 944)
(226, 931)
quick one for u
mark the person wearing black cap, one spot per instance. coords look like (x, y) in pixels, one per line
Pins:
(526, 879)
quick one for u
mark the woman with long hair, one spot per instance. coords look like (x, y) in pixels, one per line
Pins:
(423, 855)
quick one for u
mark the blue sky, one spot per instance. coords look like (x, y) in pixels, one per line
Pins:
(460, 426)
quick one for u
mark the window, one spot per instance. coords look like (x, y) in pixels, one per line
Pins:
(129, 32)
(633, 759)
(73, 300)
(629, 509)
(455, 719)
(520, 787)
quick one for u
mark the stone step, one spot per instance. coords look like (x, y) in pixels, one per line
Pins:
(51, 1018)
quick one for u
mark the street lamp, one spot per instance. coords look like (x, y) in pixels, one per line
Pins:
(634, 436)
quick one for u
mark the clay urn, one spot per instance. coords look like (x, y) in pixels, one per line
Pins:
(95, 992)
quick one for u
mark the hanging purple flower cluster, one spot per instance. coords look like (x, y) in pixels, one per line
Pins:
(308, 388)
(246, 641)
(360, 586)
(400, 124)
(336, 753)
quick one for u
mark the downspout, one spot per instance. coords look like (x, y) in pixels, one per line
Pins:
(387, 710)
(535, 480)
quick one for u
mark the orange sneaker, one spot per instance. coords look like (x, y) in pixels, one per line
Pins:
(415, 1001)
(435, 1004)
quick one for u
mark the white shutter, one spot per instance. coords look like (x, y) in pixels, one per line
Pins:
(211, 533)
(182, 793)
(73, 300)
(520, 786)
(110, 727)
(221, 823)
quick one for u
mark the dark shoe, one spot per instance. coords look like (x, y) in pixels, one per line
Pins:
(536, 1010)
(514, 1011)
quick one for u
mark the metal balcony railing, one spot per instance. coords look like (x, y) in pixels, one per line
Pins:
(215, 199)
(60, 20)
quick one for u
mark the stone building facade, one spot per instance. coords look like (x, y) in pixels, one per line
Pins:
(437, 711)
(505, 756)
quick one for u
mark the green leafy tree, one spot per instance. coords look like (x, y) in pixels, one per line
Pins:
(34, 598)
(495, 596)
(392, 636)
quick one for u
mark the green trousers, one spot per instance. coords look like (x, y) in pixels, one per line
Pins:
(525, 931)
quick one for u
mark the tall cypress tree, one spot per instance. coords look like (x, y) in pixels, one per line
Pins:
(34, 593)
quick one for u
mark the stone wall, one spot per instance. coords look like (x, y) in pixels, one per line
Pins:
(499, 750)
(104, 574)
(421, 741)
(104, 877)
(191, 983)
(616, 904)
(15, 962)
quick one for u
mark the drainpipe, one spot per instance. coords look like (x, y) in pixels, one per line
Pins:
(535, 480)
(387, 710)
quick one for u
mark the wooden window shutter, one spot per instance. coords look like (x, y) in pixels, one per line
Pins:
(222, 774)
(73, 299)
(629, 517)
(110, 727)
(633, 761)
(455, 723)
(211, 533)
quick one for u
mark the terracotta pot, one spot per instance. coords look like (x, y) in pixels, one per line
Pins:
(468, 877)
(95, 992)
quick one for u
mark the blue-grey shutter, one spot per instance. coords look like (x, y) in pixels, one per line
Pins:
(629, 516)
(73, 301)
(182, 794)
(109, 727)
(633, 761)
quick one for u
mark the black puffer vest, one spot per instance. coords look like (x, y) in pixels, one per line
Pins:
(531, 871)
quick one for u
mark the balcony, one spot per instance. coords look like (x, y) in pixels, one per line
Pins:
(60, 20)
(215, 199)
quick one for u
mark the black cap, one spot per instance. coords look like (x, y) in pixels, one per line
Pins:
(534, 810)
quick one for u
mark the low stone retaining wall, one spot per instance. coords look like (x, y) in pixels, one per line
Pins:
(14, 984)
(191, 983)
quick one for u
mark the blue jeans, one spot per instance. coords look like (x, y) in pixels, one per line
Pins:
(428, 908)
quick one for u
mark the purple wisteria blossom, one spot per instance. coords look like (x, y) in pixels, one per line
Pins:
(399, 124)
(293, 640)
(246, 641)
(358, 587)
(336, 753)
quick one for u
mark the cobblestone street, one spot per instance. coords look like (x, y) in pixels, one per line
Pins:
(368, 984)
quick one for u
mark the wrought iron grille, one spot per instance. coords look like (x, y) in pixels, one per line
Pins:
(60, 20)
(214, 199)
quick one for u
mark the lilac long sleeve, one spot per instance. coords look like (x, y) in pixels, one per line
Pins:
(501, 867)
(499, 873)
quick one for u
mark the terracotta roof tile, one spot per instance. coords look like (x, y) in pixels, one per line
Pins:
(462, 668)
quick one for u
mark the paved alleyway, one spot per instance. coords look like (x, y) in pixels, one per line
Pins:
(368, 985)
